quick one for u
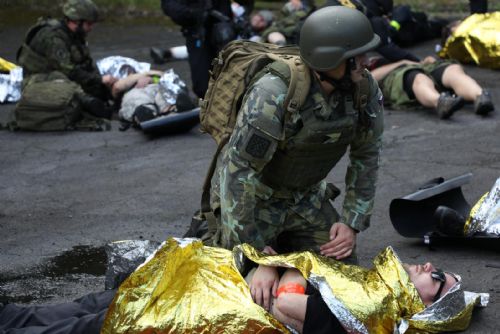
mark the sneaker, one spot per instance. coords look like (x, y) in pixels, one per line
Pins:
(160, 56)
(483, 104)
(448, 104)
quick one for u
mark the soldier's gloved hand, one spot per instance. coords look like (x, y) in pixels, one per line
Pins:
(264, 285)
(342, 242)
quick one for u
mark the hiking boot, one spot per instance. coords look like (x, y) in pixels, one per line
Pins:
(448, 104)
(95, 106)
(145, 112)
(483, 104)
(160, 56)
(448, 221)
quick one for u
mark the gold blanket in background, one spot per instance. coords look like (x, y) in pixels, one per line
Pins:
(186, 287)
(476, 40)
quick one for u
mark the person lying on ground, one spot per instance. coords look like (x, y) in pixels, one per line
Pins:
(473, 40)
(286, 29)
(142, 98)
(154, 297)
(439, 85)
(212, 295)
(246, 29)
(379, 13)
(299, 305)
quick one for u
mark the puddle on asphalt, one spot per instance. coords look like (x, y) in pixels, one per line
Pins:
(80, 266)
(78, 260)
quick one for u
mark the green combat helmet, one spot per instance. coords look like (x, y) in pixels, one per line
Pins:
(333, 34)
(81, 10)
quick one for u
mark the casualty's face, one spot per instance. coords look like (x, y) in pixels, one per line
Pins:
(258, 23)
(427, 286)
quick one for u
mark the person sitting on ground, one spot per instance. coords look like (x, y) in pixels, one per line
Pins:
(57, 50)
(407, 84)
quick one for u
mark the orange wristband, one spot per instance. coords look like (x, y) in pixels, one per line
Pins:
(291, 288)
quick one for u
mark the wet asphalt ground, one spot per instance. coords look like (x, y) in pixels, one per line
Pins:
(63, 196)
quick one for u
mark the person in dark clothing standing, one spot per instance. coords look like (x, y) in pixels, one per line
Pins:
(207, 27)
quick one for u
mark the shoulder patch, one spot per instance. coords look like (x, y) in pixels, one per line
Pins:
(257, 146)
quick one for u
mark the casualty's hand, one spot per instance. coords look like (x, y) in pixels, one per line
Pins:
(428, 60)
(342, 242)
(264, 285)
(109, 80)
(143, 82)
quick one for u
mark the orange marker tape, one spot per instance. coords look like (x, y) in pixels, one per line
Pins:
(291, 288)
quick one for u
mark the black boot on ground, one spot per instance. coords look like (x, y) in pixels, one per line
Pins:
(160, 56)
(448, 104)
(145, 112)
(448, 221)
(483, 104)
(96, 106)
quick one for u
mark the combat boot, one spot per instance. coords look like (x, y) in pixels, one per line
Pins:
(95, 106)
(483, 104)
(448, 104)
(145, 112)
(159, 56)
(448, 221)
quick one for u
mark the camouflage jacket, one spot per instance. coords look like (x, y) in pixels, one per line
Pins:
(51, 46)
(264, 131)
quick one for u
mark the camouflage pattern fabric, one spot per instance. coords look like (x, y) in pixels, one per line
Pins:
(254, 212)
(53, 47)
(392, 84)
(288, 24)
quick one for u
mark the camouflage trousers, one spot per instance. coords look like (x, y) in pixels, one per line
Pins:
(282, 224)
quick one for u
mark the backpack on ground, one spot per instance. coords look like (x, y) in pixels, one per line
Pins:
(49, 102)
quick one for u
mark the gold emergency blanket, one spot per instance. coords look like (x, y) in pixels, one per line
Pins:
(189, 288)
(476, 40)
(485, 215)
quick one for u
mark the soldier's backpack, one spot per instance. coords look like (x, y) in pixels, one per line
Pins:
(231, 74)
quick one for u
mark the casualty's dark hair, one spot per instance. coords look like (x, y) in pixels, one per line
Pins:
(447, 30)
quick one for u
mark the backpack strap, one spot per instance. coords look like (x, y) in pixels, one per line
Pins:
(362, 92)
(361, 99)
(298, 85)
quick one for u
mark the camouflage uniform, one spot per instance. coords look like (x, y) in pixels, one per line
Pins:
(265, 201)
(50, 46)
(288, 24)
(392, 84)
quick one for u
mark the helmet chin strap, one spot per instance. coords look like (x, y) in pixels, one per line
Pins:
(345, 83)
